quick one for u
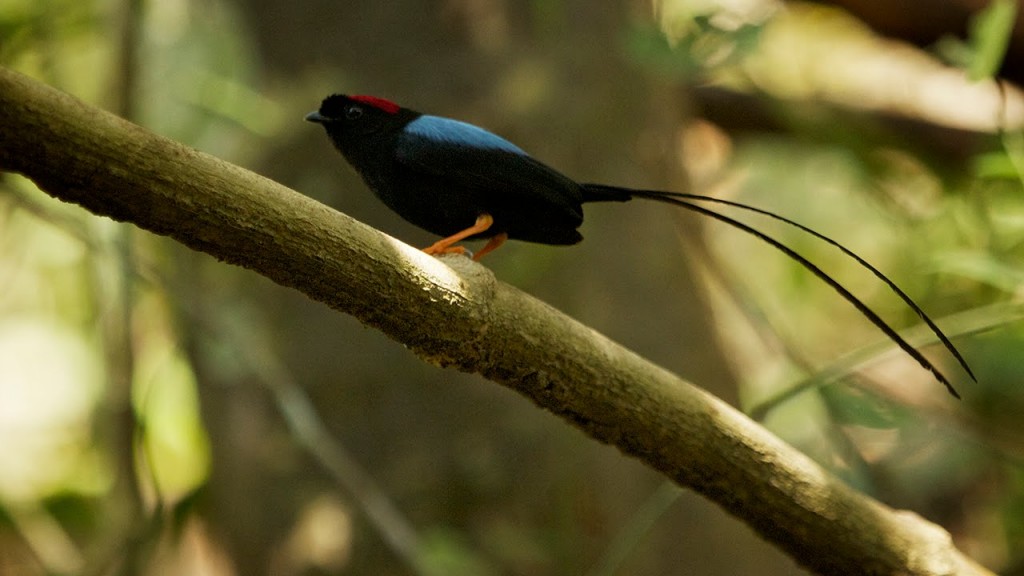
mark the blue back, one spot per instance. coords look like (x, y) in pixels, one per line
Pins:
(448, 131)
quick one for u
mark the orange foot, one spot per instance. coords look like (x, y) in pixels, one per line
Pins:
(483, 223)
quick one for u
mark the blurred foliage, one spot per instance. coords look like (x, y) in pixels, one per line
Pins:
(989, 35)
(261, 433)
(687, 53)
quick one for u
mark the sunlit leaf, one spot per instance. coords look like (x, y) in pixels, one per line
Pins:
(994, 166)
(989, 36)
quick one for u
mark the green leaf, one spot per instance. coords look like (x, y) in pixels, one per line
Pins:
(994, 166)
(989, 36)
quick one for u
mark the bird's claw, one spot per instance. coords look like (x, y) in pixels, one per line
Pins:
(435, 250)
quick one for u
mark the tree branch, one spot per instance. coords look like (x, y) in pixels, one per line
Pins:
(111, 167)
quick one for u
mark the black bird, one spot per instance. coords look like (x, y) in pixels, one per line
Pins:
(461, 182)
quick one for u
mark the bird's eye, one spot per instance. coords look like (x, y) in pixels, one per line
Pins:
(353, 112)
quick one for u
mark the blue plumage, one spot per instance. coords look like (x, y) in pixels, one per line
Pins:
(448, 131)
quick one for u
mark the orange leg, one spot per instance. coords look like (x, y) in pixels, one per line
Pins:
(444, 245)
(491, 246)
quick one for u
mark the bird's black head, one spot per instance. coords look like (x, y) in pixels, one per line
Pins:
(345, 117)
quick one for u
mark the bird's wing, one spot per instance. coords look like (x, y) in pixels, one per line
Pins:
(470, 157)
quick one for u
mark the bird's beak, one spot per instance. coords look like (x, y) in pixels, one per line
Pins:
(315, 116)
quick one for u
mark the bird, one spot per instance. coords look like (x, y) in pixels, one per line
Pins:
(462, 182)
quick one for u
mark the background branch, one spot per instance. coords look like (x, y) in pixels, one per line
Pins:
(111, 167)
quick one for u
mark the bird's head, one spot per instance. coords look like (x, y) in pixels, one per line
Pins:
(357, 116)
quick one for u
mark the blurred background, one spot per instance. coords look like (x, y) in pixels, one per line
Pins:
(162, 413)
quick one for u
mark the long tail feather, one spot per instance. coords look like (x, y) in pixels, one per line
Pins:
(685, 201)
(946, 343)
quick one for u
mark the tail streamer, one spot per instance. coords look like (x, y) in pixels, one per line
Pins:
(688, 201)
